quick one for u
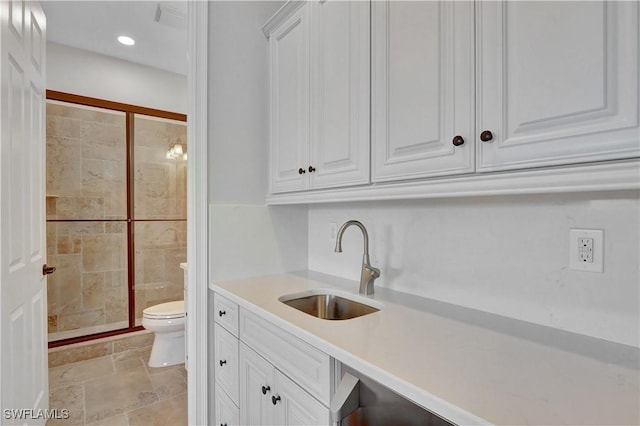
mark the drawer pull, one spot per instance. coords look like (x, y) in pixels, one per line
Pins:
(223, 424)
(486, 136)
(265, 389)
(458, 140)
(221, 313)
(301, 171)
(275, 399)
(223, 362)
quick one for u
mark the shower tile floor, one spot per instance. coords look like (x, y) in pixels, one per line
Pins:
(119, 390)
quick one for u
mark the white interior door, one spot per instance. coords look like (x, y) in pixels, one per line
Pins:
(23, 296)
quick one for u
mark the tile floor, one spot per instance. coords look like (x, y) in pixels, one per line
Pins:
(119, 389)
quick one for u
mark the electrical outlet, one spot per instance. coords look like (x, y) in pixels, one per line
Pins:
(586, 250)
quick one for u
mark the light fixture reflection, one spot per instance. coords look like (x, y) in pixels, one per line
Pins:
(176, 152)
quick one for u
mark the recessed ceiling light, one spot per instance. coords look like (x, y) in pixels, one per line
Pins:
(127, 41)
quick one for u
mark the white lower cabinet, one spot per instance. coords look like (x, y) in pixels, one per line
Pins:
(266, 376)
(268, 397)
(226, 361)
(296, 407)
(257, 383)
(226, 412)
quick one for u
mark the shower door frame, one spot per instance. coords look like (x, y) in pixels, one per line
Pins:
(130, 112)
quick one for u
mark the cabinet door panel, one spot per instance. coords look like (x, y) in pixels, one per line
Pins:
(296, 407)
(226, 412)
(289, 78)
(339, 93)
(557, 82)
(422, 89)
(226, 361)
(255, 372)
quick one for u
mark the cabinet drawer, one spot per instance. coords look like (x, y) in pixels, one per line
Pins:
(226, 361)
(227, 414)
(303, 363)
(225, 313)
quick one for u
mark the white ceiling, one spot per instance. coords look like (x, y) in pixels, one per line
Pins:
(95, 25)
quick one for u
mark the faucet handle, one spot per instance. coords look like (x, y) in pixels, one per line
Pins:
(375, 272)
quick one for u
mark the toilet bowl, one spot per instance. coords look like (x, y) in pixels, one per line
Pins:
(167, 321)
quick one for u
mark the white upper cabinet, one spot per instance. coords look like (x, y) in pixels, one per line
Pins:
(339, 93)
(289, 103)
(452, 88)
(557, 82)
(319, 77)
(422, 89)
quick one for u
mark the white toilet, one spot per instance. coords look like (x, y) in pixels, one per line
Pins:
(167, 320)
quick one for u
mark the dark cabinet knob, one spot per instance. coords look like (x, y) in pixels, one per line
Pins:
(486, 136)
(301, 171)
(223, 424)
(223, 362)
(221, 313)
(48, 270)
(265, 389)
(275, 399)
(457, 140)
(312, 169)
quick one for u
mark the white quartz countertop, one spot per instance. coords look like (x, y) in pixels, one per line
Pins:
(467, 366)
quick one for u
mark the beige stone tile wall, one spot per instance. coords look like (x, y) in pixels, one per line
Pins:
(160, 184)
(86, 173)
(86, 180)
(160, 248)
(89, 287)
(160, 192)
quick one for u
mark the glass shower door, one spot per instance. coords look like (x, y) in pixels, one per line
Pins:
(160, 197)
(86, 220)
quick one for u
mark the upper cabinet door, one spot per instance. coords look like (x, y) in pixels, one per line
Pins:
(339, 93)
(289, 81)
(557, 82)
(422, 89)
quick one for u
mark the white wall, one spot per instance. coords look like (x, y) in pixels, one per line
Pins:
(505, 255)
(238, 93)
(85, 73)
(246, 237)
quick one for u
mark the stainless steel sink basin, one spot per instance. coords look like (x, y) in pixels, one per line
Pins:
(328, 306)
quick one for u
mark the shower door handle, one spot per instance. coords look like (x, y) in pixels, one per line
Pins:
(48, 270)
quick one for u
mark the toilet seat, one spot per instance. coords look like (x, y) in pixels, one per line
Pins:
(168, 310)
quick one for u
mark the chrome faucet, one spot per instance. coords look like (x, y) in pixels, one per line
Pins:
(369, 273)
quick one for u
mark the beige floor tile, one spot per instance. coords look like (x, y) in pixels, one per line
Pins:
(108, 396)
(172, 412)
(76, 418)
(67, 397)
(122, 364)
(119, 420)
(142, 353)
(78, 372)
(168, 383)
(180, 404)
